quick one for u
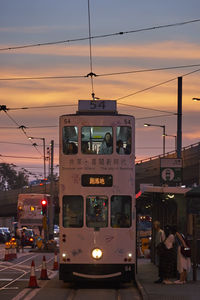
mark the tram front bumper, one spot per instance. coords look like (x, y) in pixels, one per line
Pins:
(97, 272)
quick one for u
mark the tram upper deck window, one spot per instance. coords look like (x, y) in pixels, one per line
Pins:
(97, 140)
(70, 140)
(72, 211)
(97, 211)
(120, 211)
(123, 140)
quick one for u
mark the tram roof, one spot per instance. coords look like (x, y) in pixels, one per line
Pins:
(97, 107)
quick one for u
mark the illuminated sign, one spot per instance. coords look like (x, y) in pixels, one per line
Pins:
(97, 180)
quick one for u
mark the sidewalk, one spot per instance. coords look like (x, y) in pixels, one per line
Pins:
(147, 274)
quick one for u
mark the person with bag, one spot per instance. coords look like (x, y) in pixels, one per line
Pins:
(166, 266)
(183, 257)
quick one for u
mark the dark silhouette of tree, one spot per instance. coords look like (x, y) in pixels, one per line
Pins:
(10, 178)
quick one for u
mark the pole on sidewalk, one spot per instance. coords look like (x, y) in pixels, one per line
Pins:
(51, 211)
(179, 119)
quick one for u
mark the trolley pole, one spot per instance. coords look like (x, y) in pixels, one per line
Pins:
(51, 211)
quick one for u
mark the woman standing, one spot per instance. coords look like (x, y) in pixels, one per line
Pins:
(183, 263)
(166, 265)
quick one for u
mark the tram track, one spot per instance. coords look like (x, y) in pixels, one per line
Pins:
(18, 267)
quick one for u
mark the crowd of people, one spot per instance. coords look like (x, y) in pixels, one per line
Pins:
(169, 258)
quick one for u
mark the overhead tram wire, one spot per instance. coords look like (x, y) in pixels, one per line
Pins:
(91, 74)
(22, 127)
(154, 86)
(100, 36)
(15, 156)
(98, 75)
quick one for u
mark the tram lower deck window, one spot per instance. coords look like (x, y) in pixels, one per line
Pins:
(120, 211)
(97, 211)
(72, 211)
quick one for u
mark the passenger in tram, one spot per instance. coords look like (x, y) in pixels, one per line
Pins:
(128, 147)
(85, 148)
(120, 148)
(107, 144)
(71, 148)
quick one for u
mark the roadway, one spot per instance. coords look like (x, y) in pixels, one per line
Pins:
(15, 275)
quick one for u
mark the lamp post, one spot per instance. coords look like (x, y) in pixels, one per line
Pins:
(43, 140)
(196, 99)
(163, 127)
(175, 137)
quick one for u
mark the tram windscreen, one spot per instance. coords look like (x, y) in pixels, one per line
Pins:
(120, 211)
(123, 140)
(70, 140)
(97, 140)
(72, 211)
(97, 211)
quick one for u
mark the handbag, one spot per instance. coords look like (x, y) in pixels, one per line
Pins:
(186, 251)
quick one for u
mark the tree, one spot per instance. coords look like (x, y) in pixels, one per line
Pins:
(10, 178)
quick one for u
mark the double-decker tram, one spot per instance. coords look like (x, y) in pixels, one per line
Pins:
(97, 194)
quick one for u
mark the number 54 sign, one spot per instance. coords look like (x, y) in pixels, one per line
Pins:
(97, 105)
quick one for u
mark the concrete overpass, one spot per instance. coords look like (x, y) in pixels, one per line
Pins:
(147, 171)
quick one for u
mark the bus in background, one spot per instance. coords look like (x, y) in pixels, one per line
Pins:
(33, 211)
(97, 194)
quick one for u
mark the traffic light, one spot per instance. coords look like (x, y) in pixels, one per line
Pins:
(44, 206)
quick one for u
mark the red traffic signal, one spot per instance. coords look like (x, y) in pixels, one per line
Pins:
(44, 206)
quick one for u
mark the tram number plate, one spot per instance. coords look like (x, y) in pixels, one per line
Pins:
(97, 105)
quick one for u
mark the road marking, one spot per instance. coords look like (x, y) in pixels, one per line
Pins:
(21, 294)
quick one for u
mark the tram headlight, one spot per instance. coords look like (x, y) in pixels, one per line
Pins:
(97, 253)
(64, 256)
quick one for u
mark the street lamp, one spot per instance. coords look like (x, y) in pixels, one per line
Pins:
(43, 140)
(175, 137)
(163, 127)
(196, 99)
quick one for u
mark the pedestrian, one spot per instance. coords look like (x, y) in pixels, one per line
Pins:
(166, 264)
(183, 262)
(18, 237)
(159, 237)
(23, 240)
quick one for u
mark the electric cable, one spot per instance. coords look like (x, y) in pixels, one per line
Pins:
(91, 74)
(99, 36)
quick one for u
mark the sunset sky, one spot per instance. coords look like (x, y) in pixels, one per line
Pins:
(26, 22)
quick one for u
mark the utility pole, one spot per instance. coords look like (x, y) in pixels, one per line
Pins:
(51, 206)
(179, 119)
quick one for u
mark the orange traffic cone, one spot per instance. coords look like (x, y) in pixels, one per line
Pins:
(33, 280)
(43, 275)
(55, 264)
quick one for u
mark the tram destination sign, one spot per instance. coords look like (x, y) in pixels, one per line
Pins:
(97, 106)
(171, 171)
(97, 180)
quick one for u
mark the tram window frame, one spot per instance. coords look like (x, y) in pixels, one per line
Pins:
(120, 216)
(123, 140)
(77, 213)
(92, 143)
(90, 223)
(70, 141)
